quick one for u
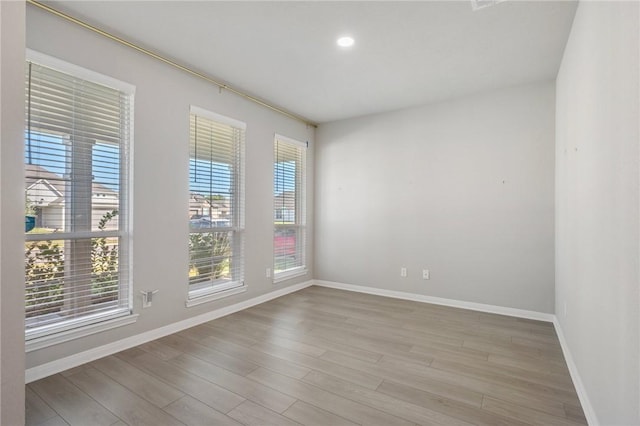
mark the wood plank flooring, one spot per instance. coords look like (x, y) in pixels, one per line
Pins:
(325, 357)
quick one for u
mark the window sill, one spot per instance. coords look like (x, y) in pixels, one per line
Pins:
(211, 296)
(289, 274)
(76, 333)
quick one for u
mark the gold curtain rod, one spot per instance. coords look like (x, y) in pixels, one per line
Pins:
(174, 64)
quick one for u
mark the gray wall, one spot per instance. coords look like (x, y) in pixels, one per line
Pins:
(160, 177)
(463, 188)
(11, 213)
(597, 205)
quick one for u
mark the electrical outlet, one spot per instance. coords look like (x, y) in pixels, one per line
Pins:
(403, 272)
(426, 274)
(268, 273)
(147, 298)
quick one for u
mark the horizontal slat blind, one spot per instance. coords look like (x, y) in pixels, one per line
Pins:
(62, 104)
(76, 162)
(216, 211)
(289, 205)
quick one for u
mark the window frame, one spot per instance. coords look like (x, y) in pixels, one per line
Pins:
(211, 291)
(300, 224)
(66, 330)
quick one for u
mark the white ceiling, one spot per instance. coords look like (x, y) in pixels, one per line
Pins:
(406, 53)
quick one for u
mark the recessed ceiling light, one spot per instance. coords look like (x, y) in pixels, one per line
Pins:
(345, 41)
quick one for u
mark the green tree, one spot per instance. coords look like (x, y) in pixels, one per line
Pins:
(44, 270)
(104, 262)
(29, 207)
(209, 254)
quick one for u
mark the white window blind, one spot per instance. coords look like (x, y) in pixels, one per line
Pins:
(289, 182)
(76, 210)
(216, 204)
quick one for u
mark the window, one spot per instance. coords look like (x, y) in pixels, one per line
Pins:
(216, 206)
(77, 140)
(289, 182)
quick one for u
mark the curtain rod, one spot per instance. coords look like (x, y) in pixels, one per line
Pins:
(221, 86)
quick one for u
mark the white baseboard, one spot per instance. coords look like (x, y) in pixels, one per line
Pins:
(501, 310)
(62, 364)
(589, 412)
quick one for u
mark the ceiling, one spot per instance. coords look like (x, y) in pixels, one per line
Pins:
(405, 53)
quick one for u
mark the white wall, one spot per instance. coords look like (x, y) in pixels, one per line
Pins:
(597, 196)
(12, 28)
(463, 188)
(160, 177)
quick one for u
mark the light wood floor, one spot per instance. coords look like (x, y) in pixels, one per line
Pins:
(325, 357)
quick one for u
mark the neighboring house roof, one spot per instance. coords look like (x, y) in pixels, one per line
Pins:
(43, 193)
(48, 188)
(199, 202)
(35, 174)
